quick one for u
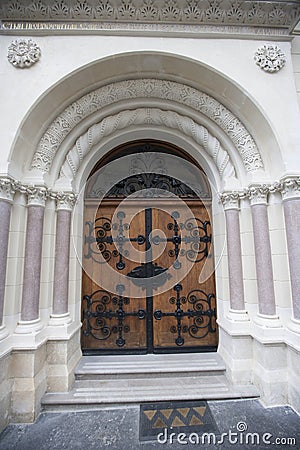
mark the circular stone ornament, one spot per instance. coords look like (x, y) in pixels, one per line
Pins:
(23, 53)
(270, 58)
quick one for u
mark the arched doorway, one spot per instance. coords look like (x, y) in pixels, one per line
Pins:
(147, 240)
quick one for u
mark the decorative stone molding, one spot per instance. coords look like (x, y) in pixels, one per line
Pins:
(150, 116)
(212, 12)
(23, 53)
(146, 88)
(7, 189)
(258, 194)
(289, 188)
(231, 200)
(270, 58)
(36, 195)
(64, 200)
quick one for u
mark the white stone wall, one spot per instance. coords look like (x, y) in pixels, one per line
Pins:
(296, 64)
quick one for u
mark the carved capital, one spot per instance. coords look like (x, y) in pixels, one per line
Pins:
(290, 188)
(64, 200)
(258, 194)
(230, 200)
(23, 53)
(270, 58)
(36, 195)
(7, 189)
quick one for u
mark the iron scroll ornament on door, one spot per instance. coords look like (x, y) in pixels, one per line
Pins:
(98, 233)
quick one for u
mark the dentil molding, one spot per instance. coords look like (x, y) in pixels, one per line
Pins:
(23, 53)
(145, 88)
(270, 58)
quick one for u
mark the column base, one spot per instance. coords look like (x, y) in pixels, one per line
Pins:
(238, 315)
(3, 332)
(267, 321)
(29, 326)
(293, 325)
(60, 320)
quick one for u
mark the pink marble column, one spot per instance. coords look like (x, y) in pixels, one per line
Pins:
(235, 266)
(33, 256)
(60, 312)
(291, 205)
(263, 256)
(6, 198)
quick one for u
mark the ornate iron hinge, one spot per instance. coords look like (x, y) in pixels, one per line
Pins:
(202, 314)
(98, 312)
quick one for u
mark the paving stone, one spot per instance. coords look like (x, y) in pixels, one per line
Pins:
(118, 429)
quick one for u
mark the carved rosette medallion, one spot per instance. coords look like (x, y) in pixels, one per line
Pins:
(270, 58)
(23, 53)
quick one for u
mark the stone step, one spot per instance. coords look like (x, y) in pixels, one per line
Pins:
(162, 365)
(88, 394)
(102, 381)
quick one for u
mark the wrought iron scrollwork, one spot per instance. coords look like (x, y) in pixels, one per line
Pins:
(98, 233)
(148, 184)
(198, 234)
(99, 313)
(202, 314)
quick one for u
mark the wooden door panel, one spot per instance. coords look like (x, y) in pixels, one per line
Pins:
(174, 320)
(195, 303)
(107, 331)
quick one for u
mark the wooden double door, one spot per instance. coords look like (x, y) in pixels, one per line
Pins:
(148, 278)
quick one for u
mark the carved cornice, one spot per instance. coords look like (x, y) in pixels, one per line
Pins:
(185, 13)
(145, 88)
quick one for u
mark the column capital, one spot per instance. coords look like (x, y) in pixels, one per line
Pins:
(230, 199)
(258, 194)
(7, 189)
(289, 187)
(64, 200)
(36, 195)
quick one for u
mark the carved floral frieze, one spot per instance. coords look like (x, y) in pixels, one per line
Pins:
(23, 53)
(270, 58)
(215, 12)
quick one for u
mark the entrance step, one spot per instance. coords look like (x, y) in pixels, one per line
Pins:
(93, 367)
(115, 380)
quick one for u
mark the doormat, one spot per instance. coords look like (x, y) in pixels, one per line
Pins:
(177, 417)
